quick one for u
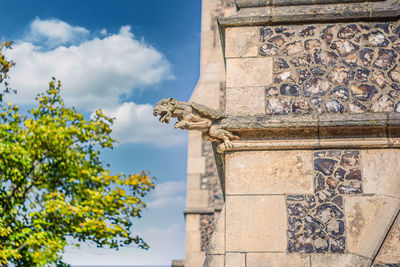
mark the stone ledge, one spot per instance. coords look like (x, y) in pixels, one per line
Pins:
(260, 3)
(201, 210)
(178, 263)
(263, 12)
(245, 123)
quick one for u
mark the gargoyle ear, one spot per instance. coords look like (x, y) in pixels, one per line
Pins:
(172, 100)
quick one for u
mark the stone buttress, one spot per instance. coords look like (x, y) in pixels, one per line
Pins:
(313, 92)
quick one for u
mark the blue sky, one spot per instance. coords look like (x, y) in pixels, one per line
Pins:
(122, 56)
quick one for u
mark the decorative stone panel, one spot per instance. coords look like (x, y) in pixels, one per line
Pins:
(333, 68)
(316, 223)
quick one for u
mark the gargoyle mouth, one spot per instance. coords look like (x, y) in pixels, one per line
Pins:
(165, 116)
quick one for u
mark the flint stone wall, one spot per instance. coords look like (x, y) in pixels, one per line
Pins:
(311, 196)
(313, 69)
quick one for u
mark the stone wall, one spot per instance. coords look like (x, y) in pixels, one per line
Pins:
(309, 208)
(314, 179)
(319, 68)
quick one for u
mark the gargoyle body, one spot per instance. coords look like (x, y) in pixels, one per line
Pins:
(193, 116)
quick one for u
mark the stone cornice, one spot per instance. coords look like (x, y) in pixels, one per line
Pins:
(314, 131)
(266, 12)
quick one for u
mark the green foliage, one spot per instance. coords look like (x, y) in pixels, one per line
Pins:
(54, 187)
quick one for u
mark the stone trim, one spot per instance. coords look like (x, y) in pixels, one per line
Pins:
(260, 3)
(286, 11)
(178, 263)
(210, 210)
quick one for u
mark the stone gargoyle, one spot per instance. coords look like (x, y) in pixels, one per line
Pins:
(194, 116)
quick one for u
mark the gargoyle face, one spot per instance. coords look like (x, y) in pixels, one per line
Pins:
(164, 108)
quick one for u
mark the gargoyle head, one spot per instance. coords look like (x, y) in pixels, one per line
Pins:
(164, 108)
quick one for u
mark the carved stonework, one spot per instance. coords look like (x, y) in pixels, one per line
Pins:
(193, 116)
(316, 222)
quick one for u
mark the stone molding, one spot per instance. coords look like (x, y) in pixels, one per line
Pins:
(260, 3)
(208, 210)
(264, 12)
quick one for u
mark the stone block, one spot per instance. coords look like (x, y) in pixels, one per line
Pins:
(269, 172)
(390, 250)
(193, 241)
(241, 42)
(245, 100)
(337, 260)
(195, 144)
(235, 259)
(214, 261)
(381, 170)
(368, 219)
(196, 198)
(196, 258)
(255, 223)
(192, 222)
(217, 242)
(277, 260)
(242, 72)
(196, 165)
(193, 182)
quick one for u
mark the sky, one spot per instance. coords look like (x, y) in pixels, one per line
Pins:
(122, 56)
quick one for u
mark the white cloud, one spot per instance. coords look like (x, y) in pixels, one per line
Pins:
(54, 32)
(168, 194)
(94, 74)
(136, 124)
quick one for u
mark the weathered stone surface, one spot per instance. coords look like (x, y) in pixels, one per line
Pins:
(268, 50)
(265, 232)
(348, 31)
(284, 76)
(381, 170)
(352, 187)
(301, 107)
(280, 64)
(394, 74)
(386, 59)
(341, 93)
(334, 106)
(356, 107)
(242, 72)
(390, 250)
(368, 219)
(277, 260)
(217, 240)
(325, 57)
(384, 103)
(290, 89)
(316, 86)
(378, 78)
(311, 44)
(214, 261)
(367, 56)
(241, 42)
(235, 259)
(245, 100)
(335, 260)
(325, 166)
(278, 105)
(377, 39)
(344, 47)
(293, 48)
(338, 75)
(363, 91)
(262, 172)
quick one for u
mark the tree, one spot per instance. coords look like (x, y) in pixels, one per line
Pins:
(54, 187)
